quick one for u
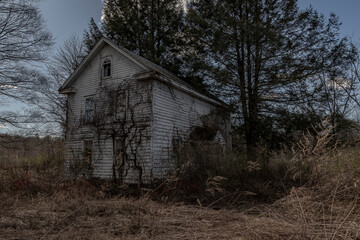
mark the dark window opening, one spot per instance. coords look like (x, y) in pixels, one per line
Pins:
(203, 134)
(176, 144)
(107, 68)
(89, 110)
(120, 105)
(119, 152)
(87, 152)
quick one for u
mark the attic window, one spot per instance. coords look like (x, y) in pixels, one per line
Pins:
(107, 68)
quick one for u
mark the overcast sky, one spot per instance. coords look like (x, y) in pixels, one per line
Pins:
(66, 17)
(346, 10)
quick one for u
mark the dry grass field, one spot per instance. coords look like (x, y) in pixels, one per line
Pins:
(52, 209)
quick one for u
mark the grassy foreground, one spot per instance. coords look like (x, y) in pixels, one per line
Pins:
(45, 207)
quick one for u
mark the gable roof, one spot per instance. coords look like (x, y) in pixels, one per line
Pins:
(151, 70)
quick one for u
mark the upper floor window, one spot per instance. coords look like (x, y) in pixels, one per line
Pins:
(107, 68)
(89, 110)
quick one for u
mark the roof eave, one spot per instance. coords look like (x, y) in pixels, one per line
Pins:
(81, 66)
(91, 54)
(69, 90)
(186, 89)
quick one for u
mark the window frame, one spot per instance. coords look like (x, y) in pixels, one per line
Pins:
(86, 120)
(119, 144)
(106, 61)
(116, 105)
(177, 143)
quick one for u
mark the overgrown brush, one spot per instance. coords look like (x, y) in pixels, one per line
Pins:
(325, 206)
(318, 161)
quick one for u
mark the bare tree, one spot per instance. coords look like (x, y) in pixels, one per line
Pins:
(353, 80)
(52, 104)
(337, 98)
(24, 41)
(68, 57)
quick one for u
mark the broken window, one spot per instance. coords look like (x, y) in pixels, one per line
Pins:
(203, 134)
(89, 110)
(107, 68)
(87, 152)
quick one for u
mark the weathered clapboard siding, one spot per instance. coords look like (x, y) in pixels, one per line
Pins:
(175, 113)
(89, 83)
(160, 107)
(90, 80)
(102, 134)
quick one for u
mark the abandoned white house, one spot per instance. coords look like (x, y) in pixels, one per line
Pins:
(126, 114)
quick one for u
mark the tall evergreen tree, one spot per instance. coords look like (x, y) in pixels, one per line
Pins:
(92, 36)
(151, 28)
(260, 55)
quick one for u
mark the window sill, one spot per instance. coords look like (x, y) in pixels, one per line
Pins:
(106, 78)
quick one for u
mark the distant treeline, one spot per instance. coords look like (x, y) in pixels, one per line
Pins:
(31, 150)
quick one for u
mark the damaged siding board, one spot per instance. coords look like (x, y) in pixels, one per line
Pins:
(175, 112)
